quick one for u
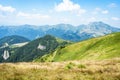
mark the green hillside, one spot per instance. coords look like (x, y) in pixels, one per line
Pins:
(36, 48)
(11, 43)
(13, 39)
(93, 49)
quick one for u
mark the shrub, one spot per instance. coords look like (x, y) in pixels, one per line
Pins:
(81, 66)
(70, 65)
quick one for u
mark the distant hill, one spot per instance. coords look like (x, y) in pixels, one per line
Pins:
(105, 47)
(13, 40)
(36, 48)
(64, 31)
(10, 44)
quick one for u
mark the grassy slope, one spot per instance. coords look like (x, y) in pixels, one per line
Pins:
(49, 57)
(96, 49)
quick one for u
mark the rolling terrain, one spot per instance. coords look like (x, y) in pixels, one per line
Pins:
(106, 47)
(57, 59)
(36, 48)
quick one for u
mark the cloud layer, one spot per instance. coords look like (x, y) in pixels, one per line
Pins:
(73, 12)
(112, 5)
(115, 18)
(31, 16)
(7, 8)
(68, 5)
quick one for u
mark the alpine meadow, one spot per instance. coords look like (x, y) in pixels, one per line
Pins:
(59, 40)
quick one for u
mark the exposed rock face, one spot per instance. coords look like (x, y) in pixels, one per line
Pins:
(41, 47)
(6, 55)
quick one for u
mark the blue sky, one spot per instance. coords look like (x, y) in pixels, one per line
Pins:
(50, 12)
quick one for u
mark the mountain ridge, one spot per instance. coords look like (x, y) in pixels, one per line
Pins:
(105, 47)
(64, 31)
(13, 39)
(35, 48)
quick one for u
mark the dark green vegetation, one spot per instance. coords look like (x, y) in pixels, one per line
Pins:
(72, 70)
(13, 40)
(8, 41)
(100, 48)
(31, 51)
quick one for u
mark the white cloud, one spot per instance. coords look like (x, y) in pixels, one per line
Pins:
(115, 18)
(7, 8)
(96, 11)
(68, 5)
(23, 14)
(28, 15)
(65, 20)
(2, 16)
(91, 19)
(112, 5)
(99, 10)
(105, 12)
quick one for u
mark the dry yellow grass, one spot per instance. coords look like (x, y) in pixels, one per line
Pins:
(70, 70)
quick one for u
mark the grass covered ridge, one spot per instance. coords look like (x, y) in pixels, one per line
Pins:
(100, 48)
(70, 70)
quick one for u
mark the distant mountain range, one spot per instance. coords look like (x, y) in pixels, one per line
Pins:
(64, 31)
